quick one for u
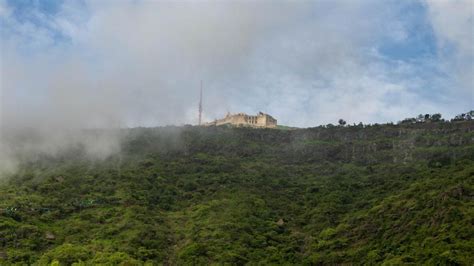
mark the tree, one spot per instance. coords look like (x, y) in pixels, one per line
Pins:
(342, 122)
(436, 117)
(408, 121)
(420, 118)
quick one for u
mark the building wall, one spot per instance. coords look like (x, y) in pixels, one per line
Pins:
(241, 119)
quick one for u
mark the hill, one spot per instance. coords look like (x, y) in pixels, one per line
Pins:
(380, 194)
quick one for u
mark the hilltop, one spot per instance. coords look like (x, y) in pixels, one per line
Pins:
(392, 194)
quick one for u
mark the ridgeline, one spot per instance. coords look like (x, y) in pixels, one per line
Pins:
(380, 194)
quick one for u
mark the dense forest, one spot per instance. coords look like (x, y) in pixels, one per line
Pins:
(364, 194)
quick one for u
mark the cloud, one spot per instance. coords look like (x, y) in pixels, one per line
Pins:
(134, 63)
(4, 10)
(453, 23)
(72, 65)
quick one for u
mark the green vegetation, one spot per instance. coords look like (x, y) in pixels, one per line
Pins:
(381, 194)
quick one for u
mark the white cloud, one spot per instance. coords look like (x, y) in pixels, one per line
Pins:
(4, 9)
(140, 63)
(453, 23)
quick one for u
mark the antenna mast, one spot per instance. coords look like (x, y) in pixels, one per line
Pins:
(200, 105)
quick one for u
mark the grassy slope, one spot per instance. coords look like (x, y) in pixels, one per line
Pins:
(382, 194)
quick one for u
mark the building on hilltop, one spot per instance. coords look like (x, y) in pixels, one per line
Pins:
(261, 120)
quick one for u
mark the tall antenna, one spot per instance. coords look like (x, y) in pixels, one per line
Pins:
(200, 105)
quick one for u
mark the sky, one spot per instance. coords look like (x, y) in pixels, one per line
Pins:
(84, 63)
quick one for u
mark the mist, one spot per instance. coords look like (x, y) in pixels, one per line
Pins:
(115, 64)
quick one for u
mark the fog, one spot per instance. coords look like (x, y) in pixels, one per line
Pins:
(116, 64)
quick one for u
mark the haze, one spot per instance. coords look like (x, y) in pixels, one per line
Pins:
(69, 65)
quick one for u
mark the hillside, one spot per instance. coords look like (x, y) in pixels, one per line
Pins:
(380, 194)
